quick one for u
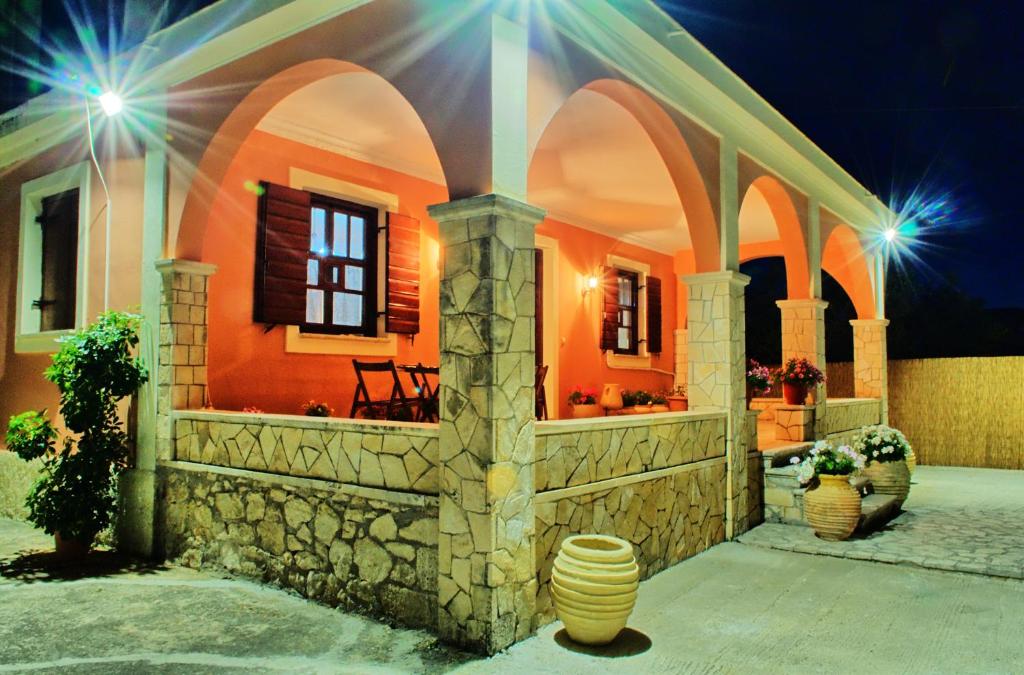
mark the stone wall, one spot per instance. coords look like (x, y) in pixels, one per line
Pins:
(844, 417)
(369, 550)
(396, 456)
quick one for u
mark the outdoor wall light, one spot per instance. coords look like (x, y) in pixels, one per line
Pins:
(111, 103)
(590, 283)
(890, 234)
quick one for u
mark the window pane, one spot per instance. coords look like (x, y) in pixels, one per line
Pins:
(317, 232)
(340, 232)
(314, 305)
(353, 278)
(334, 274)
(312, 272)
(626, 318)
(625, 291)
(623, 338)
(348, 309)
(358, 234)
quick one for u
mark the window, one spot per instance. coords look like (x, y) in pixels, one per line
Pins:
(627, 336)
(341, 270)
(51, 258)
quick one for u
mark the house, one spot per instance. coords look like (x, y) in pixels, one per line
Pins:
(482, 187)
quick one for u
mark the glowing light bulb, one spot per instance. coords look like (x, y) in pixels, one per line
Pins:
(890, 234)
(591, 282)
(111, 103)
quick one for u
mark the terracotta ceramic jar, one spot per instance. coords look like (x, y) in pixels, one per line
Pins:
(593, 584)
(611, 397)
(793, 393)
(889, 478)
(833, 507)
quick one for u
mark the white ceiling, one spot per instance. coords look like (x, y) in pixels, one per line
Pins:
(359, 115)
(596, 167)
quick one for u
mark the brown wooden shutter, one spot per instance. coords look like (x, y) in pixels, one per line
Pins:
(282, 252)
(653, 315)
(610, 308)
(538, 276)
(402, 287)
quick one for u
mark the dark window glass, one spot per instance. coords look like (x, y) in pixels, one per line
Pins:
(59, 223)
(626, 335)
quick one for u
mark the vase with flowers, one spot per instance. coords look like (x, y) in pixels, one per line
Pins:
(677, 399)
(759, 380)
(584, 402)
(798, 376)
(832, 506)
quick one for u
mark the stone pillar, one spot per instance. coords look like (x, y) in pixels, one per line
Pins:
(181, 364)
(487, 583)
(682, 360)
(870, 362)
(717, 373)
(803, 336)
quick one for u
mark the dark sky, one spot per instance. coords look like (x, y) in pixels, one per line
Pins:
(905, 94)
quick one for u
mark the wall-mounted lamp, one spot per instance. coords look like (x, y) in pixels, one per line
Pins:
(590, 282)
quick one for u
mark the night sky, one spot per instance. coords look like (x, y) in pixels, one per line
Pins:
(904, 94)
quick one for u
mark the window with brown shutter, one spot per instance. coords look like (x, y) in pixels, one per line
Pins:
(620, 321)
(59, 223)
(653, 285)
(402, 288)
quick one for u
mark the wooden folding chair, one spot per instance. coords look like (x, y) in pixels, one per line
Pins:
(426, 392)
(541, 398)
(396, 407)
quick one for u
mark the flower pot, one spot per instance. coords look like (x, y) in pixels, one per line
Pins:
(889, 478)
(611, 397)
(911, 461)
(833, 507)
(794, 393)
(643, 409)
(659, 407)
(581, 410)
(678, 403)
(594, 582)
(750, 396)
(71, 549)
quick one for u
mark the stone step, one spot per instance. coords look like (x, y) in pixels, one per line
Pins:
(781, 456)
(876, 510)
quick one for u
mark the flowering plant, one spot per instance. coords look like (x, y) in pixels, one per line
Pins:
(581, 396)
(659, 398)
(643, 397)
(826, 459)
(678, 391)
(314, 408)
(801, 371)
(881, 444)
(759, 378)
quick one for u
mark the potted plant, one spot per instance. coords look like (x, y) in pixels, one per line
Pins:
(75, 495)
(797, 377)
(644, 401)
(677, 399)
(313, 408)
(659, 402)
(759, 380)
(584, 402)
(886, 450)
(628, 402)
(831, 504)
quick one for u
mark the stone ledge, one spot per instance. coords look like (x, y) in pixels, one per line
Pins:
(610, 483)
(305, 422)
(567, 426)
(379, 494)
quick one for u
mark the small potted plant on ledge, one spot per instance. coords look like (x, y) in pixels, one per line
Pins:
(584, 402)
(644, 401)
(677, 399)
(798, 376)
(75, 495)
(628, 402)
(886, 450)
(659, 402)
(759, 380)
(831, 504)
(313, 408)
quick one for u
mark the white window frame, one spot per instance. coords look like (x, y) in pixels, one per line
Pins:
(642, 358)
(28, 339)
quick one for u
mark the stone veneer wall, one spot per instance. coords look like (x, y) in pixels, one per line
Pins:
(363, 549)
(844, 417)
(397, 456)
(657, 481)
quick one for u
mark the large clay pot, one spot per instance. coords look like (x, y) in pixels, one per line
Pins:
(794, 393)
(611, 397)
(678, 403)
(889, 478)
(581, 410)
(911, 461)
(833, 507)
(593, 584)
(71, 549)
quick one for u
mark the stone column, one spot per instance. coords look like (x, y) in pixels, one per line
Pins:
(487, 584)
(682, 360)
(870, 362)
(803, 336)
(717, 373)
(181, 365)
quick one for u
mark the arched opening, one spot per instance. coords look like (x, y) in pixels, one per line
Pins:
(339, 132)
(622, 193)
(844, 258)
(769, 225)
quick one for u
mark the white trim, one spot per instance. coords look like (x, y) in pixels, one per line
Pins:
(27, 336)
(297, 342)
(552, 341)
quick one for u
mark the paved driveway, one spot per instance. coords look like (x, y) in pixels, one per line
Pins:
(966, 520)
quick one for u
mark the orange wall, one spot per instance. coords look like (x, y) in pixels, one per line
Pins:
(248, 367)
(581, 361)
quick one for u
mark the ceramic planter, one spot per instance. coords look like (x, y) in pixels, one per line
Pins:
(911, 462)
(794, 393)
(678, 403)
(593, 584)
(581, 410)
(659, 407)
(889, 478)
(71, 549)
(833, 507)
